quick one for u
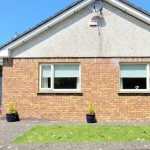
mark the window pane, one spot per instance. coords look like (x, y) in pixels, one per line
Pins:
(46, 83)
(65, 83)
(133, 83)
(133, 71)
(66, 70)
(46, 76)
(46, 71)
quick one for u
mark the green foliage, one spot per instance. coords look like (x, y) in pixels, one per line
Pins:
(90, 108)
(10, 108)
(84, 133)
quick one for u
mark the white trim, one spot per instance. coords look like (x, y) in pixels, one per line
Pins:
(4, 53)
(147, 79)
(130, 10)
(52, 76)
(44, 89)
(59, 90)
(51, 90)
(140, 90)
(79, 84)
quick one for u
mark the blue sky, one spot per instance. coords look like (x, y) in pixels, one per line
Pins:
(20, 15)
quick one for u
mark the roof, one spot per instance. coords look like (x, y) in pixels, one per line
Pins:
(64, 10)
(41, 23)
(135, 7)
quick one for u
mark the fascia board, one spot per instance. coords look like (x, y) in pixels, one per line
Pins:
(4, 53)
(130, 10)
(48, 25)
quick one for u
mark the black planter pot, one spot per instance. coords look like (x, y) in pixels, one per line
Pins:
(11, 117)
(90, 118)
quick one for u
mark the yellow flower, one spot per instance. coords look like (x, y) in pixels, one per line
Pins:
(131, 131)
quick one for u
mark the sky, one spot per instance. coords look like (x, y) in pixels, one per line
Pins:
(20, 15)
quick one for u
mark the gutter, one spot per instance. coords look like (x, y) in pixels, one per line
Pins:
(124, 7)
(4, 52)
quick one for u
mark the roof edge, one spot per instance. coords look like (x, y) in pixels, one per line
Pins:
(130, 10)
(136, 7)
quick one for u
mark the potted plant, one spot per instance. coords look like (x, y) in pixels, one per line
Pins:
(12, 115)
(90, 117)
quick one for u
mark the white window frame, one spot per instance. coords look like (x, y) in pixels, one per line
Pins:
(52, 78)
(45, 64)
(147, 78)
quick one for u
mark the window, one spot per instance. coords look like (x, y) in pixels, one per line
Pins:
(134, 76)
(60, 77)
(45, 76)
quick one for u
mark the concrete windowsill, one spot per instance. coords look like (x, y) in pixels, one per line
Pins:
(63, 92)
(119, 92)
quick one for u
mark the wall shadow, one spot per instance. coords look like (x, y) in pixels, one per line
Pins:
(100, 22)
(61, 94)
(133, 94)
(8, 62)
(100, 19)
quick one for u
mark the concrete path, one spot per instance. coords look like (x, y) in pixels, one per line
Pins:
(10, 130)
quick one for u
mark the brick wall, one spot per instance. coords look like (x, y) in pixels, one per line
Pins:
(99, 83)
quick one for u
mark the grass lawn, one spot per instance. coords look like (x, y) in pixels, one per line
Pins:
(84, 133)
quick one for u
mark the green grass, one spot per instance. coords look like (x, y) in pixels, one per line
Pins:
(84, 133)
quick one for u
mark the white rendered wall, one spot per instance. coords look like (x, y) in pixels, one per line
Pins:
(117, 35)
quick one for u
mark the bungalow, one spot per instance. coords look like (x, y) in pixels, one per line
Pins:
(54, 69)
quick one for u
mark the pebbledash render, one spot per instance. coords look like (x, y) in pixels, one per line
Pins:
(54, 69)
